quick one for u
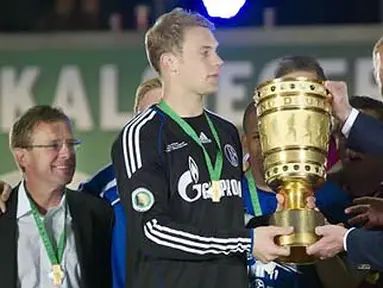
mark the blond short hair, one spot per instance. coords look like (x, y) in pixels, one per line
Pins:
(144, 88)
(167, 34)
(377, 45)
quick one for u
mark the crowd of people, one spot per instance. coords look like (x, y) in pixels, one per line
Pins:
(176, 207)
(78, 15)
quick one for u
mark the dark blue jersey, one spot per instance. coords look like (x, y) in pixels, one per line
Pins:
(179, 235)
(103, 185)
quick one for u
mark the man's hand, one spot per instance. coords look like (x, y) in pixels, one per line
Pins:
(339, 99)
(331, 242)
(265, 249)
(5, 192)
(367, 211)
(246, 163)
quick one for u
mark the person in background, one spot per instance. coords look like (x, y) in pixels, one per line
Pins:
(363, 134)
(261, 200)
(49, 234)
(178, 170)
(103, 185)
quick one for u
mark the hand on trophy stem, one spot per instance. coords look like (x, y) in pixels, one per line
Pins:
(339, 99)
(265, 249)
(331, 242)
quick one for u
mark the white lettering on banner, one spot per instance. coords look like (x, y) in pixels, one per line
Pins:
(365, 84)
(230, 92)
(71, 97)
(16, 93)
(18, 85)
(110, 118)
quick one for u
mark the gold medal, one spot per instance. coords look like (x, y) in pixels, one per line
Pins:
(216, 191)
(57, 275)
(372, 277)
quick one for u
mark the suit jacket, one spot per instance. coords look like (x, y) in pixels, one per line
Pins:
(364, 249)
(92, 224)
(366, 135)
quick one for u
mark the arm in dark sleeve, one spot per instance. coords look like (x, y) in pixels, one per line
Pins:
(365, 247)
(366, 135)
(331, 200)
(99, 182)
(141, 174)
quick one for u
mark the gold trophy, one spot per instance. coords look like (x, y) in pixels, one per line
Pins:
(294, 116)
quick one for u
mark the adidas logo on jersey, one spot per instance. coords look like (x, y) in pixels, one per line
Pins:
(204, 139)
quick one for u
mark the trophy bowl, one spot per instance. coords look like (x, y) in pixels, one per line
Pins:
(294, 119)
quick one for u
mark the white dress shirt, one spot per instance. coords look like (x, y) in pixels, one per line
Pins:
(33, 263)
(346, 131)
(349, 122)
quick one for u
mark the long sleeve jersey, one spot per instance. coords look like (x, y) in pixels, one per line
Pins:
(177, 236)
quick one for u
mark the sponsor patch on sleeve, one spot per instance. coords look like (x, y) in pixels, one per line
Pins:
(142, 199)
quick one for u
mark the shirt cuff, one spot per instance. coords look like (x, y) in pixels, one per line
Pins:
(345, 238)
(349, 122)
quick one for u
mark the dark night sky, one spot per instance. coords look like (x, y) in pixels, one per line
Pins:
(300, 12)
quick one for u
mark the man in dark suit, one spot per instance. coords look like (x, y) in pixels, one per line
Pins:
(360, 174)
(51, 235)
(364, 134)
(103, 185)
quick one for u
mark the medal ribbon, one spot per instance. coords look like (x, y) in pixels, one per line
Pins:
(253, 193)
(55, 257)
(214, 171)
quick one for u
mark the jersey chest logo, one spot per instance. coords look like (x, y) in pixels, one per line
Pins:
(193, 169)
(190, 179)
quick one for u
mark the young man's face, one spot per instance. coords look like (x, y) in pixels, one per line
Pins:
(199, 64)
(252, 142)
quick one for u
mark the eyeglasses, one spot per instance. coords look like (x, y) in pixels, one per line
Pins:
(56, 146)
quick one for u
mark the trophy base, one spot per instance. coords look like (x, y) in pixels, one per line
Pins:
(304, 223)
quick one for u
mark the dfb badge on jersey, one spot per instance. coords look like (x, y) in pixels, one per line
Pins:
(142, 199)
(231, 155)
